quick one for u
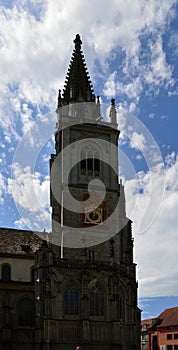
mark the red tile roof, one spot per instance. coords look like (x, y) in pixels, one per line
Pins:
(148, 322)
(168, 317)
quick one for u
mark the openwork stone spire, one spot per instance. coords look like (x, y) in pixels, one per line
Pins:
(77, 86)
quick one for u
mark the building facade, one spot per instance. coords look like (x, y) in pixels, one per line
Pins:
(85, 288)
(17, 288)
(145, 325)
(161, 332)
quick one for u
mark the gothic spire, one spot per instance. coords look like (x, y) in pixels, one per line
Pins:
(77, 86)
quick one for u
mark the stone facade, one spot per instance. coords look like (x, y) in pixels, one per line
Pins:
(17, 284)
(101, 274)
(84, 289)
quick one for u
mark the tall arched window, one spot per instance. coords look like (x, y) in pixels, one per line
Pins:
(6, 273)
(71, 299)
(97, 300)
(32, 274)
(26, 313)
(120, 308)
(90, 161)
(44, 258)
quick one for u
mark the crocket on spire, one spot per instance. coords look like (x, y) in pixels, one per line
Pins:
(77, 86)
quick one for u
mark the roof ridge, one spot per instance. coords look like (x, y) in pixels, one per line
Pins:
(169, 308)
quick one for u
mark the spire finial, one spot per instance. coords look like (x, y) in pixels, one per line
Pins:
(77, 42)
(113, 102)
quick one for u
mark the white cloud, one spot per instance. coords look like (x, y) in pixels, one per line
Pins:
(132, 107)
(137, 141)
(164, 117)
(2, 188)
(174, 92)
(160, 72)
(156, 248)
(151, 116)
(34, 54)
(137, 135)
(30, 47)
(139, 156)
(41, 222)
(132, 89)
(173, 42)
(110, 86)
(31, 196)
(172, 171)
(170, 159)
(26, 117)
(29, 190)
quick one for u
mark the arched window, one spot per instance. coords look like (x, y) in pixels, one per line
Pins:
(120, 308)
(90, 161)
(97, 300)
(6, 273)
(26, 313)
(71, 299)
(32, 274)
(44, 258)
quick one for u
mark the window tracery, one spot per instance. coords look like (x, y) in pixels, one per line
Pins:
(71, 299)
(26, 313)
(90, 161)
(97, 300)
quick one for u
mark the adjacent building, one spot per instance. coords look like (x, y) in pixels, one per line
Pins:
(162, 332)
(17, 288)
(145, 324)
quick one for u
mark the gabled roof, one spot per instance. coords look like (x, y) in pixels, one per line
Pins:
(77, 86)
(148, 322)
(168, 317)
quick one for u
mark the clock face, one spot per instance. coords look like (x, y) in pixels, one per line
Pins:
(93, 216)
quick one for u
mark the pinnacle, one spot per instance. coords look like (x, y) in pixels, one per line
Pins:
(77, 86)
(77, 41)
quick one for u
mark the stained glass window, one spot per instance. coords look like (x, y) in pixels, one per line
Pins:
(97, 300)
(71, 299)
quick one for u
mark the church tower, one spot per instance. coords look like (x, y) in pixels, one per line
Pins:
(90, 296)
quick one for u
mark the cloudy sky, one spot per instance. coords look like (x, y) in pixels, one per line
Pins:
(131, 50)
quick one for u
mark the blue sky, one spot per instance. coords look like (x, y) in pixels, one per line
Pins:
(131, 50)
